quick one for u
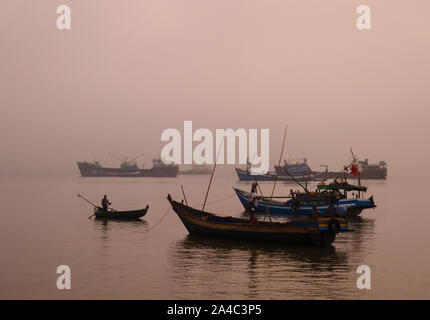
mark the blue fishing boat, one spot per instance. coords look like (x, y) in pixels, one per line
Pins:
(328, 199)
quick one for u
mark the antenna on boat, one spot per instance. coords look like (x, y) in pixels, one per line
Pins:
(212, 175)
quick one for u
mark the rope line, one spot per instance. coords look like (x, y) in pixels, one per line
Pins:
(222, 199)
(161, 219)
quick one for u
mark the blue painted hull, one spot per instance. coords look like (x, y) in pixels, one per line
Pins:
(343, 206)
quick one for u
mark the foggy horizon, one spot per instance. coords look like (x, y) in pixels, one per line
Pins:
(127, 71)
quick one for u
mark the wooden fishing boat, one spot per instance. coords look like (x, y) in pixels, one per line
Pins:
(319, 231)
(121, 215)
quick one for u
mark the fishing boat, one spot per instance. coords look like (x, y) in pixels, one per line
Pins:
(119, 215)
(320, 231)
(327, 197)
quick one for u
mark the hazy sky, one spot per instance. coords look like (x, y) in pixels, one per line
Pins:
(130, 69)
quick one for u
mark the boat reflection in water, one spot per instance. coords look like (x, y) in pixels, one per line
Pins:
(111, 228)
(244, 270)
(214, 268)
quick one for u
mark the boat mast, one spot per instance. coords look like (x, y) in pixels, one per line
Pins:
(354, 161)
(279, 163)
(276, 177)
(212, 175)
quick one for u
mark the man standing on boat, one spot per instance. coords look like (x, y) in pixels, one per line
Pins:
(105, 203)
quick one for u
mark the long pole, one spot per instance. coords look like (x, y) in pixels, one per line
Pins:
(276, 177)
(295, 180)
(212, 175)
(80, 196)
(185, 198)
(279, 163)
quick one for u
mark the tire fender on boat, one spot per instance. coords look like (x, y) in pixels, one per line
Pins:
(334, 226)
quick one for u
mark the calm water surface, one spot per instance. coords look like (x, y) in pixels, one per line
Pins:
(44, 225)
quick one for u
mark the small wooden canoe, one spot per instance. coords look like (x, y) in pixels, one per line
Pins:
(121, 215)
(319, 231)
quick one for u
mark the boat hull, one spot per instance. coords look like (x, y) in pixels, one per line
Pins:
(370, 175)
(344, 207)
(90, 170)
(120, 215)
(244, 175)
(315, 231)
(194, 173)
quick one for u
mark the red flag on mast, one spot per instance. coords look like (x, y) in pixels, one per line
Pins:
(354, 170)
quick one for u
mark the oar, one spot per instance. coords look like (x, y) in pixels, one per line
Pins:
(80, 196)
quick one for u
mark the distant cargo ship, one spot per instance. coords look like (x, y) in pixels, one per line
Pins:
(245, 175)
(367, 171)
(128, 168)
(197, 170)
(372, 171)
(299, 171)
